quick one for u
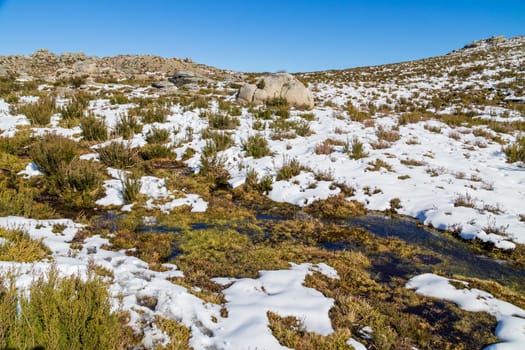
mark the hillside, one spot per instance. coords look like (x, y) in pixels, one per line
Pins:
(388, 216)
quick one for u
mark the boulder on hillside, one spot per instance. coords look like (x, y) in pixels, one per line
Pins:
(181, 78)
(278, 85)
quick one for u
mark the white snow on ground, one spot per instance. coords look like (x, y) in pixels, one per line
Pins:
(152, 187)
(8, 122)
(357, 345)
(30, 170)
(511, 319)
(248, 300)
(282, 292)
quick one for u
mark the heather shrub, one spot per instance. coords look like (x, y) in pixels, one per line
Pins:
(515, 152)
(118, 155)
(59, 313)
(52, 152)
(290, 168)
(93, 129)
(127, 126)
(158, 135)
(39, 113)
(256, 146)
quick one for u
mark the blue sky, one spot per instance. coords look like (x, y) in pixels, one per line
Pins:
(267, 35)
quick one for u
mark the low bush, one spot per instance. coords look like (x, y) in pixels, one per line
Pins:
(93, 129)
(52, 152)
(515, 152)
(355, 149)
(213, 168)
(155, 151)
(73, 111)
(127, 126)
(387, 135)
(158, 135)
(220, 140)
(39, 113)
(256, 146)
(252, 183)
(290, 168)
(79, 176)
(60, 313)
(222, 121)
(118, 155)
(130, 187)
(19, 247)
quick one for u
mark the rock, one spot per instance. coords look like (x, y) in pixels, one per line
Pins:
(72, 57)
(181, 78)
(278, 85)
(163, 84)
(3, 72)
(246, 92)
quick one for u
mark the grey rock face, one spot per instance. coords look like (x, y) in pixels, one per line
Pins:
(181, 78)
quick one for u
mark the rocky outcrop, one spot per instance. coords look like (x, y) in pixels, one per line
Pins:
(278, 85)
(45, 65)
(184, 78)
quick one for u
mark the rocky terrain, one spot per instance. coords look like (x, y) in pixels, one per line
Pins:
(368, 208)
(47, 66)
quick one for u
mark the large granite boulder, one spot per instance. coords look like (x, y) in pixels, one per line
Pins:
(278, 85)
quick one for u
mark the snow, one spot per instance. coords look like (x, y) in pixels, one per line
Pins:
(357, 345)
(281, 292)
(511, 319)
(30, 170)
(152, 187)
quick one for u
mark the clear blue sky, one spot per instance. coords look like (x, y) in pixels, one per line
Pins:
(250, 35)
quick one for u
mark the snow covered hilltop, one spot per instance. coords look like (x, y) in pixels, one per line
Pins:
(215, 224)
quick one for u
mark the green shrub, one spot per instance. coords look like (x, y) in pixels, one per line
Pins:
(20, 201)
(222, 121)
(79, 176)
(130, 188)
(20, 247)
(290, 168)
(256, 146)
(127, 126)
(118, 155)
(39, 113)
(151, 114)
(18, 144)
(73, 111)
(52, 152)
(158, 135)
(221, 140)
(515, 152)
(118, 99)
(213, 167)
(277, 102)
(252, 182)
(355, 114)
(153, 151)
(93, 129)
(60, 313)
(302, 127)
(355, 149)
(265, 114)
